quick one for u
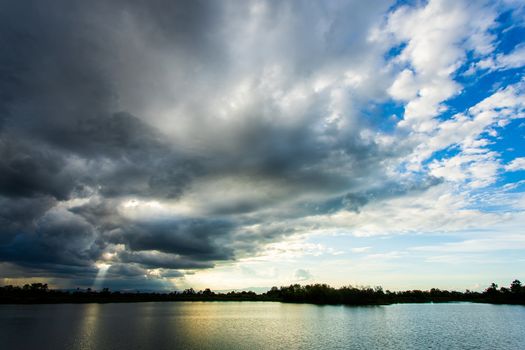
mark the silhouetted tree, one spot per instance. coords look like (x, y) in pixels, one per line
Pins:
(313, 293)
(515, 287)
(492, 291)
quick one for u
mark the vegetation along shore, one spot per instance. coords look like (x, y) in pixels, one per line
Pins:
(36, 293)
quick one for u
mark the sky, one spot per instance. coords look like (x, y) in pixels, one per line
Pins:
(161, 145)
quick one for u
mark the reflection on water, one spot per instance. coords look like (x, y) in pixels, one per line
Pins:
(258, 325)
(86, 332)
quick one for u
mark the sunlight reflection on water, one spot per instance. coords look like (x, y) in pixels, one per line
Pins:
(259, 325)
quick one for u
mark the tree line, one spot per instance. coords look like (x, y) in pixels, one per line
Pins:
(295, 293)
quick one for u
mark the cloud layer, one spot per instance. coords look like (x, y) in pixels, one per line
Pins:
(164, 137)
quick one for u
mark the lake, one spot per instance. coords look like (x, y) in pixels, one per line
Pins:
(261, 325)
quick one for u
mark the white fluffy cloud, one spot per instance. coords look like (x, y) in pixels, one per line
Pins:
(516, 164)
(514, 59)
(434, 37)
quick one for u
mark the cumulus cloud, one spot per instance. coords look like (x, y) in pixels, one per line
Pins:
(434, 38)
(514, 59)
(516, 164)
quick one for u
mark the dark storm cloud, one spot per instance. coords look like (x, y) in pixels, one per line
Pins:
(51, 61)
(114, 136)
(137, 157)
(63, 137)
(188, 25)
(196, 239)
(104, 102)
(29, 171)
(37, 269)
(57, 238)
(193, 238)
(19, 214)
(162, 260)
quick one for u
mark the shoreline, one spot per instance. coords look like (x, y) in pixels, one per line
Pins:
(318, 294)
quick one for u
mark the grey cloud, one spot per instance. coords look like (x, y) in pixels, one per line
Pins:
(105, 101)
(162, 260)
(128, 270)
(172, 274)
(47, 270)
(196, 238)
(389, 189)
(102, 214)
(113, 136)
(175, 244)
(19, 214)
(26, 171)
(136, 283)
(57, 238)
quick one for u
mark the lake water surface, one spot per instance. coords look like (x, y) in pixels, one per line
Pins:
(261, 325)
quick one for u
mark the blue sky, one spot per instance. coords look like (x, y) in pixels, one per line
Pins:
(246, 144)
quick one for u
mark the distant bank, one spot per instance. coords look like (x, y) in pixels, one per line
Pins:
(39, 293)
